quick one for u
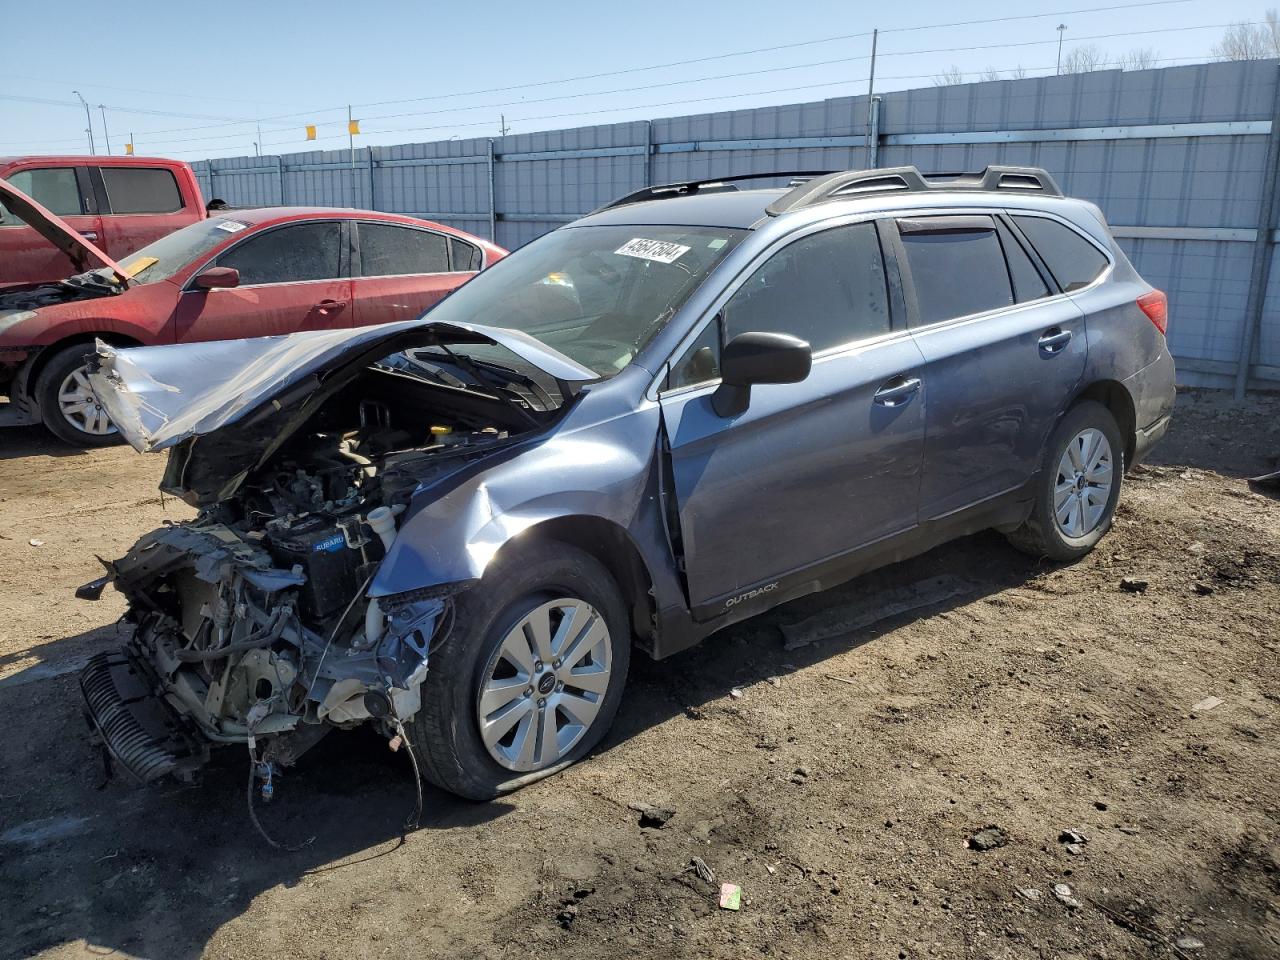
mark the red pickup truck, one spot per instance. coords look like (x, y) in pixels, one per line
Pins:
(119, 204)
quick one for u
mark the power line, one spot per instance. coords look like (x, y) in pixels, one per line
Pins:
(734, 76)
(674, 63)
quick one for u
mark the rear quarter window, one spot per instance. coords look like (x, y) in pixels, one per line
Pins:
(141, 190)
(1073, 260)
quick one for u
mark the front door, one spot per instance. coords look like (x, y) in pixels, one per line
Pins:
(292, 278)
(811, 471)
(1004, 355)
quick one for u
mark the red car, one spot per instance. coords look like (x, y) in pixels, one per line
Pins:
(119, 203)
(241, 273)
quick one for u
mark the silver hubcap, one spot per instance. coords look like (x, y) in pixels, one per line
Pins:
(1083, 487)
(80, 407)
(544, 685)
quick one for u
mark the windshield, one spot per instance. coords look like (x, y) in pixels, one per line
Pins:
(596, 294)
(162, 259)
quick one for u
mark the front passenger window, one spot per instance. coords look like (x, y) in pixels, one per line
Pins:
(293, 254)
(828, 289)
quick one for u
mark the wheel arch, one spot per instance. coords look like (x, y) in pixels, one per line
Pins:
(31, 374)
(1115, 396)
(611, 545)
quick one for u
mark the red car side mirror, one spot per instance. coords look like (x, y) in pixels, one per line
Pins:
(218, 277)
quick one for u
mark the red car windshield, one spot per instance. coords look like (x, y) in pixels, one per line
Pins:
(162, 259)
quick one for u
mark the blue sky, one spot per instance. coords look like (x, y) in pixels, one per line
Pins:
(195, 81)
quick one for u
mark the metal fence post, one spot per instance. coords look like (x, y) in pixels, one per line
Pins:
(280, 178)
(1260, 273)
(212, 195)
(373, 203)
(648, 153)
(873, 134)
(493, 209)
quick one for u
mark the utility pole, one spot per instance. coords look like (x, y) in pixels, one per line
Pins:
(502, 125)
(871, 91)
(105, 136)
(1062, 27)
(88, 118)
(351, 139)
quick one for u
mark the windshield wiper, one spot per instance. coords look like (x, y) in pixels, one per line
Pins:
(499, 386)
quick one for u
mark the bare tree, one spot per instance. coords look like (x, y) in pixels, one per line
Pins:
(949, 77)
(991, 73)
(1084, 59)
(1018, 73)
(1251, 41)
(1139, 58)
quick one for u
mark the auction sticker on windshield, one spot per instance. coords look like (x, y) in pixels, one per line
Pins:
(663, 251)
(232, 226)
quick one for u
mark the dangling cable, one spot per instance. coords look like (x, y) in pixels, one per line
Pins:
(253, 814)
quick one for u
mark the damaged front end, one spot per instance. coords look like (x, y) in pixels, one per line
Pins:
(255, 622)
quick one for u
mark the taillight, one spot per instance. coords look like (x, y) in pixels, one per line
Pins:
(1156, 306)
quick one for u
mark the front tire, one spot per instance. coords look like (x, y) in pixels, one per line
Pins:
(1078, 486)
(529, 678)
(67, 406)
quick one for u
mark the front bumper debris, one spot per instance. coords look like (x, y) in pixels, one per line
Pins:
(136, 728)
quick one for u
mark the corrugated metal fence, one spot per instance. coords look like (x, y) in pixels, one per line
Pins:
(1180, 160)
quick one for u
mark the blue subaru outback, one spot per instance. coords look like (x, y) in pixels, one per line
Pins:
(694, 404)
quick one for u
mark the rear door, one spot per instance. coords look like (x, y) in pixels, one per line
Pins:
(401, 271)
(25, 256)
(292, 277)
(139, 205)
(811, 471)
(1004, 353)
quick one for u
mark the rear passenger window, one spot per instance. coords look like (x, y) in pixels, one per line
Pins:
(1027, 282)
(54, 188)
(308, 251)
(1073, 260)
(141, 190)
(465, 256)
(957, 266)
(387, 250)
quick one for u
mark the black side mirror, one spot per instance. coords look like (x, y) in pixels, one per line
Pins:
(751, 358)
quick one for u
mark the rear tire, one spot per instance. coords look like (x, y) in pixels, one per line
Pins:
(68, 409)
(477, 660)
(1078, 486)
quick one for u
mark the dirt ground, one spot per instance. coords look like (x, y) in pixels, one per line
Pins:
(838, 783)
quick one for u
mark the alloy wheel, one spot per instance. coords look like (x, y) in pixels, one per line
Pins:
(1083, 485)
(544, 685)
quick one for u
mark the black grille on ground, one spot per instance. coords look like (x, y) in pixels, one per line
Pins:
(141, 733)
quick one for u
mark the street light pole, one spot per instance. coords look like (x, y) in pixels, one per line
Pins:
(88, 118)
(105, 136)
(1061, 30)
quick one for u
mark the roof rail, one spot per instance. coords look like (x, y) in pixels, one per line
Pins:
(686, 188)
(854, 183)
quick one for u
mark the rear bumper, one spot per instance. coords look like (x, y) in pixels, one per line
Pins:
(1145, 439)
(1153, 392)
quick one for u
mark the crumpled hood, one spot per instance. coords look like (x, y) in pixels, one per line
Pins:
(159, 397)
(83, 254)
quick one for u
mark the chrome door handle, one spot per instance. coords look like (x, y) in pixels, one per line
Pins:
(327, 305)
(89, 234)
(897, 391)
(1054, 339)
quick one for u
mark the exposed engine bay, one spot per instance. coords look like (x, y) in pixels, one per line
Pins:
(252, 622)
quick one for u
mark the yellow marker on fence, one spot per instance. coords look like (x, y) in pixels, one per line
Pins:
(311, 131)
